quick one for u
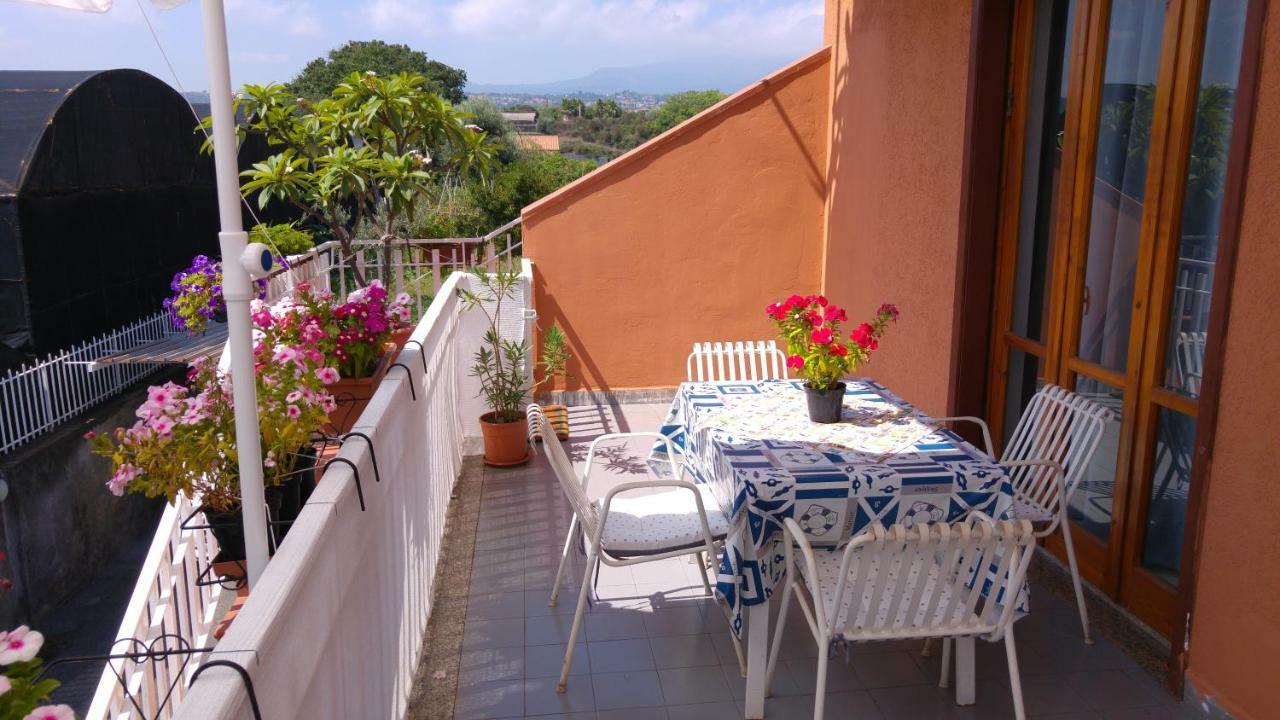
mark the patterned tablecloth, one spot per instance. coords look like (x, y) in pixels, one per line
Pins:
(765, 461)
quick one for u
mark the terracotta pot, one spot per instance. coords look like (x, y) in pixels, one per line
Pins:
(352, 395)
(505, 444)
(401, 336)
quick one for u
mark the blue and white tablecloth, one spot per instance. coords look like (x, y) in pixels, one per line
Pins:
(765, 461)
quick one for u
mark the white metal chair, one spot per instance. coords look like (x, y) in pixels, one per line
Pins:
(620, 531)
(1048, 454)
(922, 582)
(750, 360)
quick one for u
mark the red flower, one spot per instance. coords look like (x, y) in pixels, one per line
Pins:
(794, 301)
(835, 313)
(822, 336)
(814, 318)
(820, 299)
(864, 336)
(795, 362)
(889, 309)
(839, 350)
(776, 311)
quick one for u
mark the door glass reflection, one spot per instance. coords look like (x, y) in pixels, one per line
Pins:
(1120, 175)
(1202, 202)
(1090, 505)
(1170, 487)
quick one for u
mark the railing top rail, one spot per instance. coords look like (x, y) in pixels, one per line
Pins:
(505, 228)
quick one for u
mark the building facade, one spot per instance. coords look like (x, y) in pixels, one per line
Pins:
(1075, 192)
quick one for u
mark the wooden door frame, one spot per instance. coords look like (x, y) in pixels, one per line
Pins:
(981, 170)
(1215, 346)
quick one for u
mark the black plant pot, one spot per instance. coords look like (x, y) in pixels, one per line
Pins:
(824, 405)
(284, 503)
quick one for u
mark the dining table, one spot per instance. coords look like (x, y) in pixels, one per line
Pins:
(884, 462)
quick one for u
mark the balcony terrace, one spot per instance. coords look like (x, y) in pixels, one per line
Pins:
(657, 647)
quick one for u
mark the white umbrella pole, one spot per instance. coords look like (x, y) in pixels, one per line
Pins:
(237, 289)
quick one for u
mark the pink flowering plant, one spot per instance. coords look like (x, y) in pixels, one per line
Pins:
(22, 689)
(184, 439)
(817, 348)
(353, 332)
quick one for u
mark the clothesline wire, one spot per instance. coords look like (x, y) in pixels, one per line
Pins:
(199, 120)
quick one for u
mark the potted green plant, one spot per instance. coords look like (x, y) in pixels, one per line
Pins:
(184, 439)
(816, 351)
(500, 365)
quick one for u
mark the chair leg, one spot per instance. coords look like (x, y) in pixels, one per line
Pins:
(1075, 579)
(944, 678)
(702, 573)
(577, 625)
(564, 558)
(777, 637)
(1015, 677)
(820, 693)
(966, 687)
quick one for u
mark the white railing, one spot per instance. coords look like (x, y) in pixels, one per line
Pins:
(334, 627)
(168, 612)
(419, 267)
(37, 397)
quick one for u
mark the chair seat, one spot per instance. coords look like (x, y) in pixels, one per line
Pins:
(1024, 509)
(827, 564)
(659, 523)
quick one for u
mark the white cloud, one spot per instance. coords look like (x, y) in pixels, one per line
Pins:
(402, 15)
(688, 26)
(295, 17)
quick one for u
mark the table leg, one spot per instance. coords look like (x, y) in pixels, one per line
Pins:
(757, 658)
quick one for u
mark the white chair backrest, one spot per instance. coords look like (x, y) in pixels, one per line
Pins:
(977, 566)
(587, 512)
(1057, 425)
(1190, 360)
(732, 361)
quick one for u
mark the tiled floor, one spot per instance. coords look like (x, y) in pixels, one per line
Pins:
(655, 647)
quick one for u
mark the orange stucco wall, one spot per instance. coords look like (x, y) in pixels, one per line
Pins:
(689, 236)
(1235, 630)
(898, 118)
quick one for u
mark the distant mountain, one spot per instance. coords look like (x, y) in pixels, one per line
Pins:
(664, 78)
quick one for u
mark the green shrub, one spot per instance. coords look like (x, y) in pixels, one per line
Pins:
(283, 239)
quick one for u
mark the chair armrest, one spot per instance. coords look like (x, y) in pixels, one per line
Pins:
(1060, 488)
(591, 451)
(793, 535)
(986, 431)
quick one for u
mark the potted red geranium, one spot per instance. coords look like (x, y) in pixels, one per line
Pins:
(819, 353)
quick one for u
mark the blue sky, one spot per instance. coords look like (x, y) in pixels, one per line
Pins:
(495, 41)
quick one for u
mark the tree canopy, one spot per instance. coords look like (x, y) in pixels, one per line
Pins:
(682, 106)
(320, 76)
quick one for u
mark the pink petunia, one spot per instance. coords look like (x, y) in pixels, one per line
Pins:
(51, 712)
(328, 375)
(293, 412)
(21, 644)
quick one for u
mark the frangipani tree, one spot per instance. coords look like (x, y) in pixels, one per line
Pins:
(372, 151)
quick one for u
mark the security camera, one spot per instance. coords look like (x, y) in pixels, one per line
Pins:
(257, 260)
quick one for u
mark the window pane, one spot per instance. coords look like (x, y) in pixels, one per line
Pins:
(1090, 504)
(1023, 380)
(1041, 164)
(1170, 485)
(1120, 174)
(1202, 204)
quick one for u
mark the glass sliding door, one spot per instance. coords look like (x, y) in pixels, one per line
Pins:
(1122, 113)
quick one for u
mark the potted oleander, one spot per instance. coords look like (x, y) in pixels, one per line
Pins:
(184, 439)
(500, 365)
(356, 333)
(820, 353)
